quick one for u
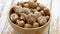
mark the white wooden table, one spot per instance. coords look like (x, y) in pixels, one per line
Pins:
(54, 25)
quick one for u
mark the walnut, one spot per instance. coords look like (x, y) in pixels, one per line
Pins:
(47, 17)
(41, 6)
(35, 25)
(30, 18)
(22, 16)
(46, 11)
(42, 12)
(37, 14)
(14, 17)
(26, 5)
(28, 25)
(34, 10)
(20, 23)
(20, 4)
(32, 5)
(18, 9)
(42, 20)
(38, 8)
(26, 10)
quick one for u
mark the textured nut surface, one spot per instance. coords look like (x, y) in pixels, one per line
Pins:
(30, 18)
(47, 17)
(32, 5)
(20, 23)
(26, 5)
(14, 17)
(38, 8)
(17, 9)
(46, 11)
(21, 3)
(26, 10)
(28, 26)
(23, 16)
(35, 25)
(42, 12)
(37, 14)
(42, 20)
(34, 10)
(41, 6)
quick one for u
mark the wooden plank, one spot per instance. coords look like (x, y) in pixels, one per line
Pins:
(58, 25)
(52, 29)
(55, 26)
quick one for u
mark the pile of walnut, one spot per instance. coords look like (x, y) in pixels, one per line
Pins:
(30, 14)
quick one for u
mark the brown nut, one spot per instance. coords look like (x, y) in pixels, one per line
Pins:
(35, 25)
(38, 8)
(32, 5)
(26, 5)
(26, 10)
(28, 25)
(42, 20)
(42, 12)
(41, 6)
(46, 11)
(34, 10)
(14, 17)
(47, 17)
(20, 23)
(37, 14)
(30, 18)
(21, 3)
(17, 9)
(22, 16)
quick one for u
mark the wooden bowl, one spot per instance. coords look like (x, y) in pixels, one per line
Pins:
(39, 30)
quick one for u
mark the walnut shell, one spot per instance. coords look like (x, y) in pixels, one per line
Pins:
(17, 9)
(26, 5)
(37, 14)
(28, 25)
(21, 3)
(35, 25)
(20, 23)
(22, 16)
(34, 10)
(42, 20)
(46, 11)
(42, 12)
(47, 17)
(41, 6)
(30, 18)
(38, 8)
(14, 17)
(32, 5)
(26, 10)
